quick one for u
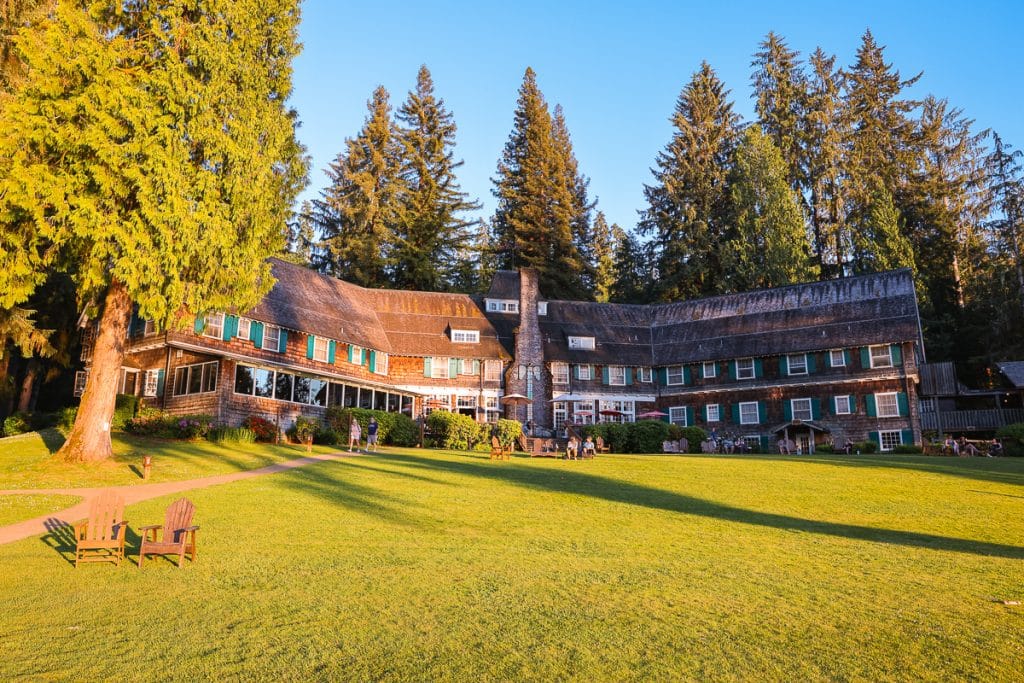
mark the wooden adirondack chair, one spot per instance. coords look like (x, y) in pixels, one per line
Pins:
(101, 537)
(601, 447)
(179, 536)
(496, 450)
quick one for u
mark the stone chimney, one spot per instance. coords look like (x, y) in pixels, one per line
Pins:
(528, 374)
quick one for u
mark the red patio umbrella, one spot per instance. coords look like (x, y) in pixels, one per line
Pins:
(615, 413)
(652, 414)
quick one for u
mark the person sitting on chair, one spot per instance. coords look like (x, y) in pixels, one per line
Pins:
(572, 449)
(588, 448)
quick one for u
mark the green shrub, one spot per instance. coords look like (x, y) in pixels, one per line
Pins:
(646, 436)
(303, 430)
(126, 406)
(395, 429)
(907, 448)
(866, 447)
(66, 418)
(264, 429)
(327, 436)
(18, 423)
(403, 431)
(824, 448)
(694, 436)
(231, 435)
(453, 431)
(508, 432)
(151, 422)
(191, 426)
(1012, 437)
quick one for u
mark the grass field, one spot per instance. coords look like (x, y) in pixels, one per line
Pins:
(428, 565)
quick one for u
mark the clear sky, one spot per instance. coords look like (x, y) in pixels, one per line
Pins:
(617, 69)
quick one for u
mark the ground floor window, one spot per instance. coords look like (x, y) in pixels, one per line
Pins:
(200, 378)
(677, 416)
(749, 413)
(80, 378)
(616, 411)
(491, 407)
(316, 391)
(890, 439)
(149, 387)
(559, 410)
(583, 412)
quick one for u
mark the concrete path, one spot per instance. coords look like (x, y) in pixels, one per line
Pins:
(132, 494)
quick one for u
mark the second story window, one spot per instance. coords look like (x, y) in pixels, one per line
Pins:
(837, 358)
(644, 375)
(710, 369)
(492, 371)
(801, 409)
(745, 368)
(244, 329)
(881, 356)
(581, 343)
(466, 336)
(559, 373)
(797, 363)
(272, 338)
(616, 375)
(320, 349)
(674, 375)
(585, 372)
(214, 326)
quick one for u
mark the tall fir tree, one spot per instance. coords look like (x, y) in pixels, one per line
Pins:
(431, 235)
(1005, 174)
(603, 250)
(688, 206)
(780, 92)
(356, 212)
(633, 263)
(770, 246)
(879, 243)
(159, 157)
(534, 220)
(582, 235)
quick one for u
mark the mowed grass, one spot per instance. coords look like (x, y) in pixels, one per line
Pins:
(15, 508)
(428, 565)
(27, 462)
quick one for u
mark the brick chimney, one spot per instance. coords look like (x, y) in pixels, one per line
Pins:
(528, 374)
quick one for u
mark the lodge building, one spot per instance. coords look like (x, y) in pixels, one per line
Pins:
(821, 362)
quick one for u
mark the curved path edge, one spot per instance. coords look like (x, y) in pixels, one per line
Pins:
(134, 494)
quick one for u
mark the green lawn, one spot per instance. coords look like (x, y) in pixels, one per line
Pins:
(26, 461)
(427, 565)
(19, 507)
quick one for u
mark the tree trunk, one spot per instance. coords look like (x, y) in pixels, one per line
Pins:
(89, 440)
(28, 385)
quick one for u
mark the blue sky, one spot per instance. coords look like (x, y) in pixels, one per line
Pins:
(617, 69)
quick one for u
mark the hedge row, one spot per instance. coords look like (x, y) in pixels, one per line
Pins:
(645, 436)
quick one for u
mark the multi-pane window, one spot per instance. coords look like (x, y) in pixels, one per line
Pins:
(285, 386)
(842, 404)
(559, 410)
(581, 343)
(465, 401)
(677, 416)
(616, 375)
(272, 338)
(467, 366)
(836, 358)
(244, 328)
(745, 368)
(80, 378)
(195, 379)
(710, 369)
(559, 373)
(439, 368)
(356, 354)
(881, 356)
(583, 411)
(491, 407)
(380, 363)
(585, 371)
(320, 349)
(797, 363)
(466, 336)
(150, 385)
(801, 409)
(890, 439)
(749, 413)
(542, 308)
(887, 405)
(214, 325)
(674, 375)
(503, 306)
(644, 375)
(713, 411)
(492, 371)
(616, 411)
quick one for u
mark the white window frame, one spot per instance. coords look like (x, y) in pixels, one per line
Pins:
(837, 361)
(492, 306)
(358, 354)
(321, 349)
(617, 375)
(213, 321)
(645, 375)
(801, 365)
(804, 406)
(271, 332)
(149, 383)
(627, 408)
(466, 336)
(559, 373)
(585, 372)
(466, 366)
(742, 370)
(492, 370)
(713, 412)
(559, 412)
(881, 363)
(677, 416)
(841, 404)
(439, 367)
(675, 375)
(710, 369)
(542, 308)
(581, 343)
(895, 406)
(465, 401)
(380, 363)
(744, 413)
(244, 328)
(201, 368)
(894, 437)
(81, 378)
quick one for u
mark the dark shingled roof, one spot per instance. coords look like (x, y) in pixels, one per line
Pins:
(622, 332)
(1014, 371)
(504, 285)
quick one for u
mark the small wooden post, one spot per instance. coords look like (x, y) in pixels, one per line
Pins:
(147, 466)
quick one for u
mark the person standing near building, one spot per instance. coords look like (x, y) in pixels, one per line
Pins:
(355, 433)
(371, 434)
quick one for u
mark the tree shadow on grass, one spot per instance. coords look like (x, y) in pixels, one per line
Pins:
(52, 439)
(996, 470)
(613, 490)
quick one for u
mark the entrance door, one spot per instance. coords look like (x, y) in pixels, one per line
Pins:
(803, 443)
(131, 381)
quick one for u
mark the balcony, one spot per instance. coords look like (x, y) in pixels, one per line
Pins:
(970, 420)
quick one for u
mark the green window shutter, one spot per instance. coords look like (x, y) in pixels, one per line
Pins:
(853, 403)
(764, 443)
(828, 359)
(907, 436)
(256, 332)
(865, 358)
(283, 345)
(869, 405)
(629, 376)
(575, 372)
(897, 355)
(350, 356)
(762, 412)
(687, 375)
(604, 375)
(704, 412)
(847, 357)
(476, 367)
(663, 376)
(811, 365)
(873, 436)
(732, 369)
(427, 362)
(758, 368)
(160, 383)
(736, 413)
(230, 327)
(332, 349)
(310, 343)
(690, 419)
(816, 408)
(453, 367)
(372, 361)
(783, 366)
(200, 324)
(903, 404)
(787, 410)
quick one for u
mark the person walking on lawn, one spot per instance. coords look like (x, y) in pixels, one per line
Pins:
(355, 433)
(371, 434)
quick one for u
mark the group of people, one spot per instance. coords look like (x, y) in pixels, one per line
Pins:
(355, 435)
(574, 451)
(964, 447)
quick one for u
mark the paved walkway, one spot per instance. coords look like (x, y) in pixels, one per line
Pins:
(132, 494)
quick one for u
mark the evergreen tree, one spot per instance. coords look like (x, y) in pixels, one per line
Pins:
(153, 148)
(534, 221)
(1006, 198)
(301, 246)
(780, 90)
(15, 14)
(582, 236)
(357, 210)
(633, 269)
(603, 249)
(770, 246)
(687, 212)
(878, 242)
(430, 238)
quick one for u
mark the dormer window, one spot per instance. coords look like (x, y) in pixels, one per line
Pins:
(466, 336)
(502, 305)
(581, 343)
